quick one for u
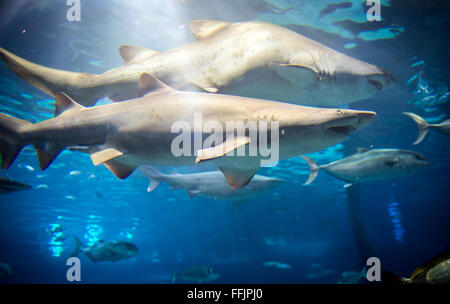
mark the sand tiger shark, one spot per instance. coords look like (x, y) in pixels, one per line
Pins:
(252, 59)
(140, 131)
(211, 184)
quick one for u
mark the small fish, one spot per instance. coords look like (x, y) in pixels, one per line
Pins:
(375, 164)
(5, 270)
(351, 277)
(74, 173)
(443, 127)
(417, 63)
(7, 186)
(277, 265)
(106, 251)
(410, 80)
(198, 274)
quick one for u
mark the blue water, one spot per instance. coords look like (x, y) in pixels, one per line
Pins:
(306, 227)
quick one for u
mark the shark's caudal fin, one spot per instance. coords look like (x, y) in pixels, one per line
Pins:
(78, 247)
(11, 141)
(49, 80)
(313, 169)
(421, 124)
(153, 175)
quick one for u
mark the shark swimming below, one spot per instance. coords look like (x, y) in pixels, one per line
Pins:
(252, 59)
(146, 130)
(210, 184)
(369, 165)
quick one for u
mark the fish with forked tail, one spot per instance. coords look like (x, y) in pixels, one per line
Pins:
(443, 127)
(140, 131)
(253, 59)
(376, 164)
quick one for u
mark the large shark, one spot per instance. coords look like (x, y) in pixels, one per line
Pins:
(210, 184)
(147, 130)
(253, 59)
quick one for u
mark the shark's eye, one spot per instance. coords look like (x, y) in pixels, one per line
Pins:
(340, 111)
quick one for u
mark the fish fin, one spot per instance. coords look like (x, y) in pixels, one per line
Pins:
(152, 174)
(47, 152)
(313, 169)
(10, 138)
(229, 145)
(363, 149)
(203, 28)
(421, 124)
(119, 169)
(64, 103)
(132, 53)
(104, 155)
(348, 185)
(391, 163)
(78, 247)
(149, 84)
(289, 72)
(238, 178)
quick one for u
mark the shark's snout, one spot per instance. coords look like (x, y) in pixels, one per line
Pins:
(351, 121)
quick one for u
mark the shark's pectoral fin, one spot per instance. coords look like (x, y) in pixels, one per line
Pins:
(149, 84)
(205, 28)
(294, 72)
(47, 152)
(229, 145)
(64, 103)
(238, 178)
(131, 53)
(104, 155)
(119, 169)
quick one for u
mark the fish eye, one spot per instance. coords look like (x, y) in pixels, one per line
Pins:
(340, 111)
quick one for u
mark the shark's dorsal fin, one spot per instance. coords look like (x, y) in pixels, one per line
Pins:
(204, 28)
(222, 149)
(238, 178)
(64, 103)
(149, 84)
(132, 53)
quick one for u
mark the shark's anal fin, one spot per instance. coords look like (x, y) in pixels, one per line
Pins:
(205, 28)
(104, 155)
(119, 169)
(132, 53)
(238, 178)
(149, 84)
(222, 149)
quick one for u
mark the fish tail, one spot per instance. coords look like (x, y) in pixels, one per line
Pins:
(313, 169)
(50, 81)
(421, 124)
(78, 246)
(153, 175)
(11, 139)
(174, 277)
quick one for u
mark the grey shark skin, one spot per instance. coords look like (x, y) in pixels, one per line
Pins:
(107, 251)
(253, 59)
(376, 164)
(210, 184)
(7, 186)
(131, 133)
(443, 127)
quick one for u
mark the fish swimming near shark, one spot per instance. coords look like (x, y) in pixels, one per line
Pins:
(375, 164)
(252, 59)
(106, 251)
(146, 130)
(7, 185)
(197, 274)
(210, 184)
(443, 127)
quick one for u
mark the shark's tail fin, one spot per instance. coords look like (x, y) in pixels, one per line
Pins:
(49, 80)
(313, 169)
(11, 141)
(421, 124)
(153, 175)
(78, 247)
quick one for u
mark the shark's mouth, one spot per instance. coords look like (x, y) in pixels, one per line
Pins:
(342, 130)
